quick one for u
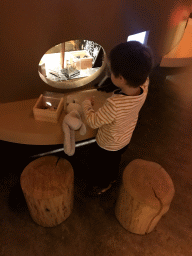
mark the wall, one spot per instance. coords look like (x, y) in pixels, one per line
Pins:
(29, 28)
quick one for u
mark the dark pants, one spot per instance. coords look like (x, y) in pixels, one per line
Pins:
(96, 165)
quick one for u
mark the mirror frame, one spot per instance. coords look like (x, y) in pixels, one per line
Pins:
(71, 84)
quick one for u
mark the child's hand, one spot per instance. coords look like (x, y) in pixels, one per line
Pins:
(92, 99)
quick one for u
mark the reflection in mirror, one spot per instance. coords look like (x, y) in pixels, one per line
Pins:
(72, 60)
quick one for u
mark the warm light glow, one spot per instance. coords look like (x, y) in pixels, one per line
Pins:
(178, 14)
(51, 61)
(181, 54)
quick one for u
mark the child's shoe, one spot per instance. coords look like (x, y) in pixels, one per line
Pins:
(97, 190)
(100, 191)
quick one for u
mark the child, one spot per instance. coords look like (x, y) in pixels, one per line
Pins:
(130, 65)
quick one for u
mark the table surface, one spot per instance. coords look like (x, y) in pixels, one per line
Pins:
(18, 125)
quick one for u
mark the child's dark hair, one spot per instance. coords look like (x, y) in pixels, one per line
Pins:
(133, 61)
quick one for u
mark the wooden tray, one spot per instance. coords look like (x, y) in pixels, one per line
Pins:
(48, 109)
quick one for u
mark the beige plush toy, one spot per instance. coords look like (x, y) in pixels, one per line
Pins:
(71, 123)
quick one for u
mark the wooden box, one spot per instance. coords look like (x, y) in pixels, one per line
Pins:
(82, 59)
(48, 109)
(86, 63)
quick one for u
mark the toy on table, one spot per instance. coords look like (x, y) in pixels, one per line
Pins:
(71, 123)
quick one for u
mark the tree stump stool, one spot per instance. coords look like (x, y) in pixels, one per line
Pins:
(144, 196)
(47, 184)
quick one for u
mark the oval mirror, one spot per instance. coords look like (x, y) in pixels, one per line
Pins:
(72, 64)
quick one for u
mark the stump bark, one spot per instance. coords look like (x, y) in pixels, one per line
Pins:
(48, 186)
(145, 195)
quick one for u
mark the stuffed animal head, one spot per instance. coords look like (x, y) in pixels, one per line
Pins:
(73, 104)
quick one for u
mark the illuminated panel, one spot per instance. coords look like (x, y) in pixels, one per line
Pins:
(140, 37)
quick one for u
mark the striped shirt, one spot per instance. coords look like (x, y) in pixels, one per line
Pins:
(116, 119)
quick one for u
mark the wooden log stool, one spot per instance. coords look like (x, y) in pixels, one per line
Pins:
(144, 196)
(47, 184)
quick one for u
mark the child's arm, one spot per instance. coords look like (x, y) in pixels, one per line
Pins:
(105, 115)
